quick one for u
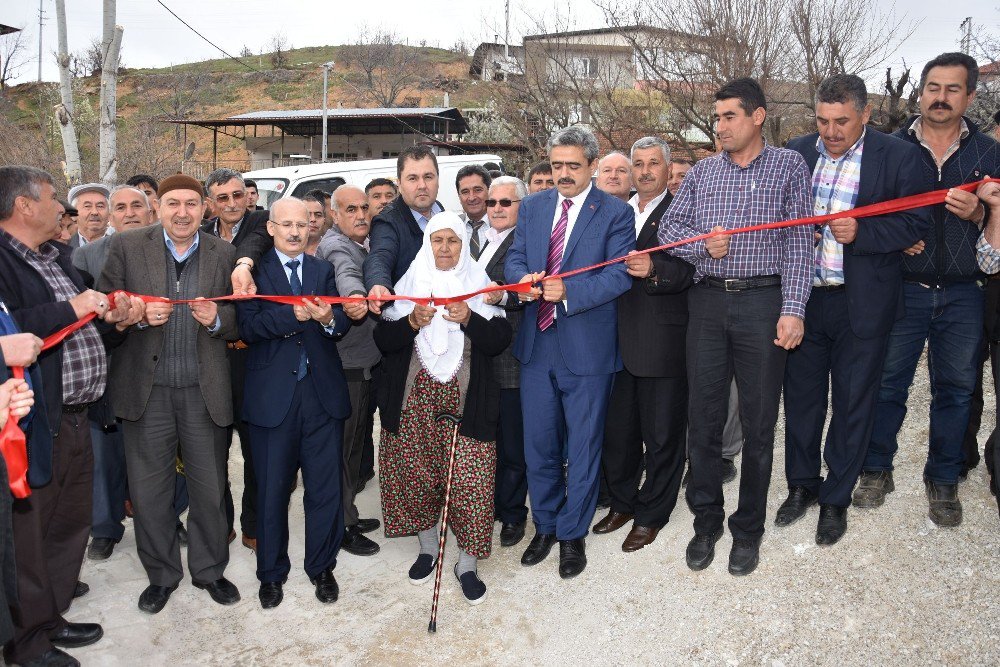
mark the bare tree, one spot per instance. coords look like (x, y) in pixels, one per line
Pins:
(985, 48)
(111, 45)
(13, 56)
(389, 67)
(279, 47)
(64, 110)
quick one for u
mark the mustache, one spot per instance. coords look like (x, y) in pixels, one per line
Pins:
(647, 178)
(566, 181)
(941, 105)
(294, 239)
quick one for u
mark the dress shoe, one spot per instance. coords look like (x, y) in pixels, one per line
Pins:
(100, 548)
(728, 470)
(473, 587)
(249, 542)
(232, 537)
(687, 473)
(872, 488)
(612, 522)
(799, 500)
(538, 549)
(129, 510)
(368, 525)
(182, 534)
(701, 550)
(945, 509)
(639, 537)
(53, 658)
(75, 635)
(422, 569)
(511, 533)
(154, 598)
(80, 590)
(744, 556)
(270, 594)
(832, 524)
(327, 590)
(572, 557)
(356, 543)
(222, 590)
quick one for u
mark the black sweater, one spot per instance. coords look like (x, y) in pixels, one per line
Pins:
(482, 402)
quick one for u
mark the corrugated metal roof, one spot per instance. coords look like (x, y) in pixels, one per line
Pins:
(342, 113)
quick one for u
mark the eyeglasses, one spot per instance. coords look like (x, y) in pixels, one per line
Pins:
(506, 203)
(224, 198)
(286, 225)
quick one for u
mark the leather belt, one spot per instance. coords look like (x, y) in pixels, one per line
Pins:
(829, 288)
(743, 284)
(237, 345)
(75, 409)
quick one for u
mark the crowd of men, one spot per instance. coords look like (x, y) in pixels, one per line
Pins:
(618, 378)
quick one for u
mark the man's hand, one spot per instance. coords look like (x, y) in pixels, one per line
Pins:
(135, 310)
(15, 398)
(242, 280)
(319, 310)
(915, 249)
(20, 349)
(301, 314)
(459, 312)
(89, 301)
(204, 312)
(989, 193)
(553, 290)
(421, 315)
(535, 291)
(845, 230)
(790, 331)
(717, 246)
(493, 298)
(639, 265)
(157, 313)
(376, 293)
(964, 204)
(357, 310)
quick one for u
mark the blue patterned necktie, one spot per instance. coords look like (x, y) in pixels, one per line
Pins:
(296, 284)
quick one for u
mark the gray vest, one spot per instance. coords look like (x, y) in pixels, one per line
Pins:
(178, 362)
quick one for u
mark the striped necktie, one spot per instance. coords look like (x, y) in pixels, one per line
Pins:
(547, 309)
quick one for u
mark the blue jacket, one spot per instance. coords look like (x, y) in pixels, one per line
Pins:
(873, 261)
(394, 241)
(588, 329)
(276, 339)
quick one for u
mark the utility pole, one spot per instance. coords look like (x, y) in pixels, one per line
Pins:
(326, 76)
(966, 28)
(41, 17)
(506, 32)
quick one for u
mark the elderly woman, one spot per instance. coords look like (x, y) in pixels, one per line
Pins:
(437, 359)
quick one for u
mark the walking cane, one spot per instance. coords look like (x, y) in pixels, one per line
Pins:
(456, 420)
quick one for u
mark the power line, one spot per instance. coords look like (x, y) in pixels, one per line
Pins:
(210, 42)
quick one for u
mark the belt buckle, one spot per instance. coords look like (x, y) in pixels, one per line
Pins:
(732, 280)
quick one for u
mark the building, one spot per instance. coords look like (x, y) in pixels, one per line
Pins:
(493, 61)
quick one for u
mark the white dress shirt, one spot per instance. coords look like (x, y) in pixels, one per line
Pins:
(642, 216)
(571, 216)
(494, 240)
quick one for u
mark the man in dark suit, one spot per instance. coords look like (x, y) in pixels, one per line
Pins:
(649, 399)
(568, 344)
(857, 294)
(170, 384)
(296, 402)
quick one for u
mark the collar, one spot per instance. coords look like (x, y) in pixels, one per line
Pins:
(821, 147)
(917, 129)
(285, 259)
(46, 251)
(236, 227)
(767, 148)
(435, 208)
(577, 200)
(173, 248)
(653, 203)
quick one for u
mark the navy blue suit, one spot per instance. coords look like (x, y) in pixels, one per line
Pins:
(294, 421)
(847, 329)
(567, 370)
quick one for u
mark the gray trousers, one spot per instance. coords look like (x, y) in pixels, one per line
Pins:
(355, 428)
(178, 416)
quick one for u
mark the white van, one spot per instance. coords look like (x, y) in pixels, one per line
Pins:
(297, 181)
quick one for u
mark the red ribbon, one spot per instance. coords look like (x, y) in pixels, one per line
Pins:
(13, 446)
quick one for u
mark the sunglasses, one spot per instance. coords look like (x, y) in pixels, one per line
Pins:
(506, 203)
(225, 198)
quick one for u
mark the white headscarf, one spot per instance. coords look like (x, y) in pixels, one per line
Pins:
(440, 344)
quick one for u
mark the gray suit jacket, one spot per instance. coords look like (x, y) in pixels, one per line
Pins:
(91, 257)
(137, 262)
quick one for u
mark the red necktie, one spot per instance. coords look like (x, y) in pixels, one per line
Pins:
(547, 309)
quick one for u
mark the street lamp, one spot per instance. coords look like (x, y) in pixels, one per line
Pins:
(326, 72)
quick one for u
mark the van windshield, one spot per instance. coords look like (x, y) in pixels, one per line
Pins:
(271, 190)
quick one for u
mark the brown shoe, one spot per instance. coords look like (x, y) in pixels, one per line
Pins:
(250, 543)
(639, 537)
(612, 522)
(232, 536)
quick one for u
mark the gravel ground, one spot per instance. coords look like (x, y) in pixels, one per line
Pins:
(896, 590)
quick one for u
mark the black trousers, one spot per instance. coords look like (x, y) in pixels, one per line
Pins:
(248, 508)
(650, 410)
(732, 332)
(830, 356)
(511, 494)
(970, 445)
(357, 430)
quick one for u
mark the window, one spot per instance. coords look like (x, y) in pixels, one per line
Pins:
(328, 184)
(585, 68)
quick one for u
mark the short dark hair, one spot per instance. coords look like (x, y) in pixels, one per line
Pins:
(954, 59)
(842, 88)
(415, 154)
(139, 179)
(540, 168)
(682, 160)
(473, 170)
(322, 196)
(377, 182)
(250, 183)
(747, 91)
(20, 181)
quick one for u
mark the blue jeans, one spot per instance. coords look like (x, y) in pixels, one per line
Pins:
(109, 483)
(950, 319)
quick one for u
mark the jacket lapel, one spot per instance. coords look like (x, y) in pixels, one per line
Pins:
(648, 232)
(583, 220)
(207, 266)
(310, 275)
(500, 253)
(538, 247)
(156, 260)
(271, 267)
(871, 164)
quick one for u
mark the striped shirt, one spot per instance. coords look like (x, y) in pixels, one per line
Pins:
(775, 186)
(835, 188)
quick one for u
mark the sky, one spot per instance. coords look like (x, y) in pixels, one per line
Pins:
(154, 38)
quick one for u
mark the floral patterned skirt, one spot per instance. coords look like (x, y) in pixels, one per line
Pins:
(413, 470)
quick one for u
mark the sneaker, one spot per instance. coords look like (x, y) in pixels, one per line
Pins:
(473, 587)
(422, 569)
(872, 488)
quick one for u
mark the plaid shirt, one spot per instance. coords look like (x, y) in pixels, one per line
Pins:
(835, 187)
(775, 186)
(85, 365)
(987, 257)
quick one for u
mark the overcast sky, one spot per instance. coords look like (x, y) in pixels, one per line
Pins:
(154, 38)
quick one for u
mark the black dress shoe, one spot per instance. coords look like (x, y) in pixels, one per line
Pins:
(701, 550)
(327, 590)
(359, 545)
(572, 557)
(538, 549)
(368, 525)
(222, 590)
(728, 470)
(80, 590)
(270, 594)
(53, 658)
(182, 534)
(154, 598)
(832, 524)
(100, 548)
(75, 635)
(744, 556)
(511, 533)
(799, 500)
